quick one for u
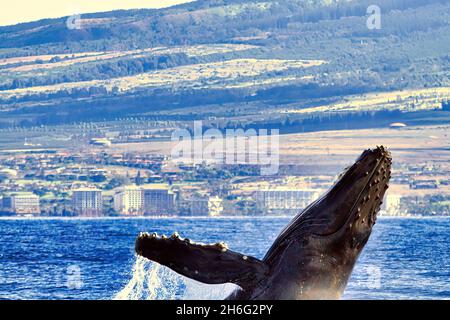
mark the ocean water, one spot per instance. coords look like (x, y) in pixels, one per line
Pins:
(405, 258)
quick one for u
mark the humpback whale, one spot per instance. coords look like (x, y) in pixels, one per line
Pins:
(312, 258)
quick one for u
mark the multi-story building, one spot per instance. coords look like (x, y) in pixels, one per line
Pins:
(87, 202)
(215, 206)
(199, 205)
(21, 203)
(159, 200)
(204, 205)
(392, 206)
(129, 200)
(283, 201)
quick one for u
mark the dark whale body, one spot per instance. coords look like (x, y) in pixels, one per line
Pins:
(313, 256)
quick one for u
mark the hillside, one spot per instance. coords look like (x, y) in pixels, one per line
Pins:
(210, 55)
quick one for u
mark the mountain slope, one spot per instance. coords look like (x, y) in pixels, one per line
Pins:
(218, 52)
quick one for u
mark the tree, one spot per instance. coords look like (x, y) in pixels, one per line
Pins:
(139, 180)
(117, 182)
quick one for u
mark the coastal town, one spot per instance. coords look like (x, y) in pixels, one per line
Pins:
(100, 182)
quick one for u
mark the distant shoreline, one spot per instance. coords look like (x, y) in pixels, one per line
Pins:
(197, 218)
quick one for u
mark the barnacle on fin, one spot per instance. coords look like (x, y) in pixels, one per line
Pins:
(222, 246)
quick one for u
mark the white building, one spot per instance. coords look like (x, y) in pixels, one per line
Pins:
(285, 200)
(215, 206)
(129, 200)
(150, 199)
(392, 205)
(22, 203)
(87, 202)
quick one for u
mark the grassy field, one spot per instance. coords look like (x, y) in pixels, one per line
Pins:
(230, 72)
(47, 62)
(403, 100)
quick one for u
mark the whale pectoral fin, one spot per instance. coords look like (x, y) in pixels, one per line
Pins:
(212, 264)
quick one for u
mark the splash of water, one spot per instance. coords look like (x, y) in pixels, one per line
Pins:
(152, 281)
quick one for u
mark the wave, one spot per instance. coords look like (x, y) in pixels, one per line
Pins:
(12, 218)
(152, 281)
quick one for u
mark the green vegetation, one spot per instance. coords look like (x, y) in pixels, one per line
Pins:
(409, 51)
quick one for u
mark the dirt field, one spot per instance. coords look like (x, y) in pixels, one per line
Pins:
(410, 144)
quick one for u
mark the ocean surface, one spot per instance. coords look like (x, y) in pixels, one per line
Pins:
(405, 258)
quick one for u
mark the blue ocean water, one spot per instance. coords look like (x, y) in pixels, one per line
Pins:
(406, 258)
